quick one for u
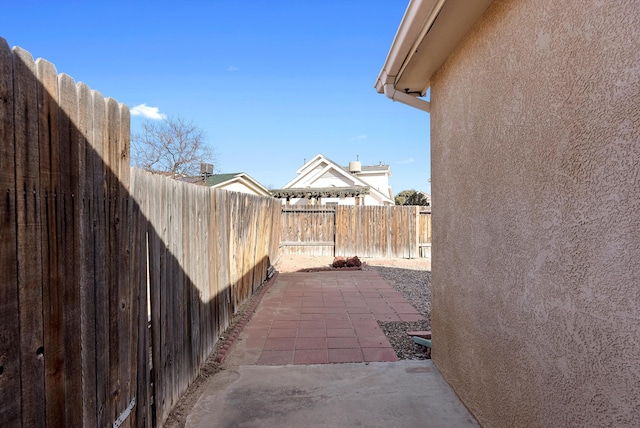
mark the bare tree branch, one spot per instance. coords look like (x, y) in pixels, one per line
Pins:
(172, 146)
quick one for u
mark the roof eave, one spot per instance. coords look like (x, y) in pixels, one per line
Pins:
(428, 33)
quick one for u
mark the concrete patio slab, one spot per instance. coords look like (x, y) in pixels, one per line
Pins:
(393, 394)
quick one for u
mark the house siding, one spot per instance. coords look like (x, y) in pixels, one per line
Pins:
(536, 241)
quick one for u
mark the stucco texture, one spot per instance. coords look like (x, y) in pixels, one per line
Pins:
(536, 211)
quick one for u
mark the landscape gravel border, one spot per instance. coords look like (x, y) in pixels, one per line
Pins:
(415, 285)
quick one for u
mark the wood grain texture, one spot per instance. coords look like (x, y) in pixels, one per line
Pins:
(365, 231)
(10, 397)
(30, 236)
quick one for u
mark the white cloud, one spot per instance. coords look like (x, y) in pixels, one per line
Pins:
(148, 112)
(359, 137)
(232, 68)
(406, 161)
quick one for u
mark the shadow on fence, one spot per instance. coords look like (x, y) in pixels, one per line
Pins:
(76, 254)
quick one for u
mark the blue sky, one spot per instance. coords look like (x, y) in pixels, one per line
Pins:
(272, 83)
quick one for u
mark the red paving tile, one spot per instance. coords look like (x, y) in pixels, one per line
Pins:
(353, 355)
(309, 317)
(326, 317)
(311, 357)
(331, 323)
(386, 317)
(335, 310)
(284, 324)
(340, 332)
(379, 354)
(362, 310)
(336, 316)
(254, 343)
(374, 342)
(279, 343)
(256, 332)
(312, 332)
(320, 323)
(403, 308)
(410, 317)
(283, 332)
(342, 342)
(275, 358)
(311, 343)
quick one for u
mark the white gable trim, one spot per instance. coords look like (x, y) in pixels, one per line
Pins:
(309, 173)
(247, 181)
(304, 173)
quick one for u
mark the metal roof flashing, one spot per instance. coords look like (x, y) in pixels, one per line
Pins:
(428, 33)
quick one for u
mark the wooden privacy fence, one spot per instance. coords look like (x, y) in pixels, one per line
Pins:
(365, 231)
(208, 250)
(72, 301)
(308, 230)
(82, 239)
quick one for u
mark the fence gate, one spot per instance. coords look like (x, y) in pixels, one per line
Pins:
(308, 230)
(363, 231)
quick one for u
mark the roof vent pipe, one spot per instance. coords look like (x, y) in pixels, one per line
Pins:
(410, 100)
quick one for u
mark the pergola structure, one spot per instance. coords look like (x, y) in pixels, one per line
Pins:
(323, 192)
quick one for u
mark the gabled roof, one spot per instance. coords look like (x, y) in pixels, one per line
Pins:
(308, 172)
(320, 166)
(224, 180)
(216, 179)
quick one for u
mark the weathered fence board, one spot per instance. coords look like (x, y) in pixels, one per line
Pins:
(10, 396)
(366, 231)
(29, 232)
(87, 160)
(66, 291)
(308, 230)
(424, 233)
(206, 250)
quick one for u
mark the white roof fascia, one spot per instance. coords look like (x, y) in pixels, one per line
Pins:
(308, 164)
(382, 195)
(309, 176)
(418, 14)
(247, 181)
(331, 165)
(304, 170)
(259, 188)
(429, 31)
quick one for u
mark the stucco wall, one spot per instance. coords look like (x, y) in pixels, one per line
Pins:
(536, 240)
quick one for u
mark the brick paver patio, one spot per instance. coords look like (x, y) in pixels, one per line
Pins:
(325, 317)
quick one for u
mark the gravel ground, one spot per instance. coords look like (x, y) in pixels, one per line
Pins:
(415, 285)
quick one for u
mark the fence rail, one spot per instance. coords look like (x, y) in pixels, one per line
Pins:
(366, 231)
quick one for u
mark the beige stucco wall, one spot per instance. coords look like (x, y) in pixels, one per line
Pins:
(536, 239)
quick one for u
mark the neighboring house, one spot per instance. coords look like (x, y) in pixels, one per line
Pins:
(323, 182)
(535, 151)
(236, 182)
